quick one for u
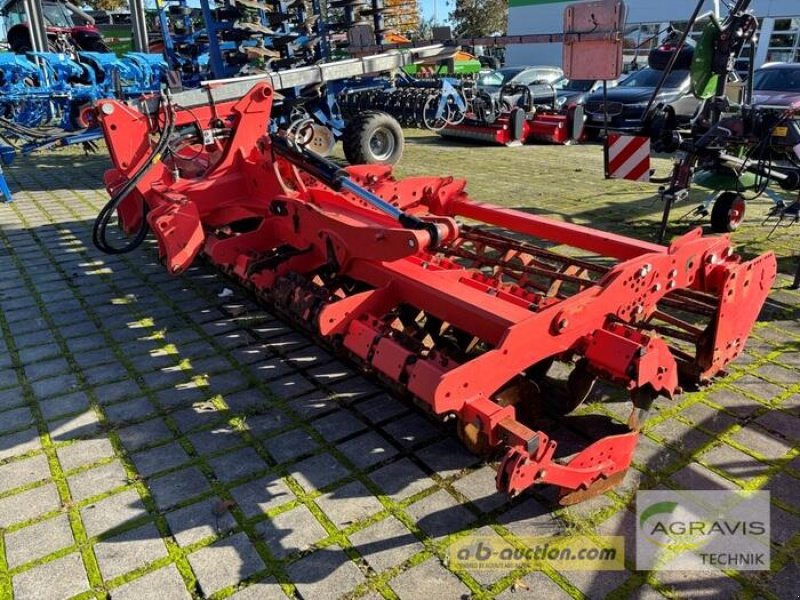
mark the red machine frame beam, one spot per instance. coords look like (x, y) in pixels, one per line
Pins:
(600, 242)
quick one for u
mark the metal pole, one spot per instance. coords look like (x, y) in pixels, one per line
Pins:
(166, 39)
(38, 35)
(751, 67)
(741, 6)
(214, 50)
(36, 26)
(321, 29)
(135, 24)
(377, 20)
(605, 127)
(140, 41)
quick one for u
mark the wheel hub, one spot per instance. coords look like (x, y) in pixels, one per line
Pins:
(382, 144)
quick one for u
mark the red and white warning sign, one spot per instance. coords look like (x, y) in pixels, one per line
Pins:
(628, 157)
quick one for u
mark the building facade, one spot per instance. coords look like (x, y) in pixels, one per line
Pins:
(647, 20)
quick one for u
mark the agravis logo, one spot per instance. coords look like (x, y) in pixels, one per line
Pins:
(690, 529)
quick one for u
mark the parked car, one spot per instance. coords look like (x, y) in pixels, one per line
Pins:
(777, 84)
(574, 91)
(106, 17)
(537, 79)
(628, 100)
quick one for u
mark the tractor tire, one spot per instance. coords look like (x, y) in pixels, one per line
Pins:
(516, 122)
(18, 39)
(728, 212)
(373, 137)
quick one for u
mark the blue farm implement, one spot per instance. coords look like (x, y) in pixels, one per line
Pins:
(317, 101)
(46, 98)
(429, 103)
(244, 38)
(49, 89)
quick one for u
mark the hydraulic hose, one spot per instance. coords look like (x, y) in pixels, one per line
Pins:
(99, 231)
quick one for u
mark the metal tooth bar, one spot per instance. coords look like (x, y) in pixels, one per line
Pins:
(698, 297)
(522, 280)
(471, 233)
(682, 356)
(524, 268)
(508, 251)
(688, 305)
(675, 321)
(539, 38)
(674, 333)
(686, 300)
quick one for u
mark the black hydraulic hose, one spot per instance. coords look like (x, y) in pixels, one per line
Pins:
(99, 231)
(21, 130)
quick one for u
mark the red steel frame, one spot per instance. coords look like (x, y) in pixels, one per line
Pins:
(364, 283)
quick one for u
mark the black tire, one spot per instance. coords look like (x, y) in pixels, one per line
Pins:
(373, 137)
(728, 212)
(76, 116)
(19, 39)
(591, 134)
(516, 121)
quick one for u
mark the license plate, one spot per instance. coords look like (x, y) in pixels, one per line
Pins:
(780, 131)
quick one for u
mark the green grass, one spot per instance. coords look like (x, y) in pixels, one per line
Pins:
(117, 37)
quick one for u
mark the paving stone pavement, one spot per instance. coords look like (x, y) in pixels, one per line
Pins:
(160, 441)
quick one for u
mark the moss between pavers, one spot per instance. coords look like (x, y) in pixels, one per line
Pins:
(83, 544)
(57, 474)
(5, 576)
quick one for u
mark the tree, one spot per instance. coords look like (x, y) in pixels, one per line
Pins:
(105, 4)
(425, 29)
(476, 18)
